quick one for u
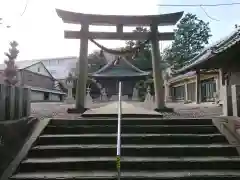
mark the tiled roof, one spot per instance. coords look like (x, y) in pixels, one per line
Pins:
(119, 68)
(183, 76)
(213, 50)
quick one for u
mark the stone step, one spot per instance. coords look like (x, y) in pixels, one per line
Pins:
(142, 175)
(131, 139)
(152, 148)
(98, 150)
(163, 129)
(129, 163)
(131, 121)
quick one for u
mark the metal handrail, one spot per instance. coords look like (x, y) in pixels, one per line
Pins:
(119, 130)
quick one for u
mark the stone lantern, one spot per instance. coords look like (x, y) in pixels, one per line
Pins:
(69, 84)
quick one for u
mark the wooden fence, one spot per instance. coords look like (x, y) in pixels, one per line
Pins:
(14, 102)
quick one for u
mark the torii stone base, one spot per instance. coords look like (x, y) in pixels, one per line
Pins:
(165, 109)
(77, 110)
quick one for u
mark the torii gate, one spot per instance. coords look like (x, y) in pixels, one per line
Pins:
(119, 21)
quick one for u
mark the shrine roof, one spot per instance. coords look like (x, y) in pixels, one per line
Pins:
(210, 52)
(97, 19)
(119, 68)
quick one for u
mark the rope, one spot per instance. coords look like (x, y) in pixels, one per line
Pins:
(121, 52)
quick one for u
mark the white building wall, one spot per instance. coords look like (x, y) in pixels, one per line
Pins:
(60, 68)
(38, 68)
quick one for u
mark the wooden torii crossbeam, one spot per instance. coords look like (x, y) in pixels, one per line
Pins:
(119, 21)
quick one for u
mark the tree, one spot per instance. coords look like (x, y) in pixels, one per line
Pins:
(10, 71)
(95, 61)
(142, 59)
(191, 35)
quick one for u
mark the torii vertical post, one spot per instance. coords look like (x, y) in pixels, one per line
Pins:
(82, 70)
(157, 70)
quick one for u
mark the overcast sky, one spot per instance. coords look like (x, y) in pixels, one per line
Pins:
(39, 31)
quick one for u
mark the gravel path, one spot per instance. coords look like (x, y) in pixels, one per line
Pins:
(49, 110)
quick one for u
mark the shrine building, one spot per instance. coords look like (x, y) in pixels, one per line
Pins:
(117, 70)
(217, 64)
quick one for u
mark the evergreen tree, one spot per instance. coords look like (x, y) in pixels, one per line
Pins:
(10, 71)
(191, 35)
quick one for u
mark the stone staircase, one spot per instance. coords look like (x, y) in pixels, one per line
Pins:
(181, 149)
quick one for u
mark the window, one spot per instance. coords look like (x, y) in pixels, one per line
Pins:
(208, 87)
(38, 69)
(179, 93)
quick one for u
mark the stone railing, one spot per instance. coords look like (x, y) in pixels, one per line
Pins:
(229, 127)
(14, 102)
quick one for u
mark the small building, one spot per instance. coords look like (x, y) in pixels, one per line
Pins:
(59, 67)
(183, 87)
(117, 70)
(37, 77)
(223, 57)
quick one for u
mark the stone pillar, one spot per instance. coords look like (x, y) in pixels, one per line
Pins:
(198, 90)
(3, 95)
(221, 84)
(148, 102)
(217, 84)
(135, 94)
(89, 100)
(69, 95)
(83, 71)
(27, 104)
(186, 92)
(12, 102)
(69, 84)
(226, 103)
(157, 71)
(225, 93)
(167, 91)
(217, 93)
(235, 100)
(20, 102)
(103, 95)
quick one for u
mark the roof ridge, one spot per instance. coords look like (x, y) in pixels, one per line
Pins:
(123, 59)
(131, 65)
(104, 67)
(124, 65)
(217, 43)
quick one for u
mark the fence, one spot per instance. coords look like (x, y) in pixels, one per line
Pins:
(14, 102)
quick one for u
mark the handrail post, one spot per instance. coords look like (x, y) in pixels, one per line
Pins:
(119, 130)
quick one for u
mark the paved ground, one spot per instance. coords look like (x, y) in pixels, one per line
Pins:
(47, 110)
(127, 108)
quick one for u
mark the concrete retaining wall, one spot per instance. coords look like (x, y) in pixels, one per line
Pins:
(13, 134)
